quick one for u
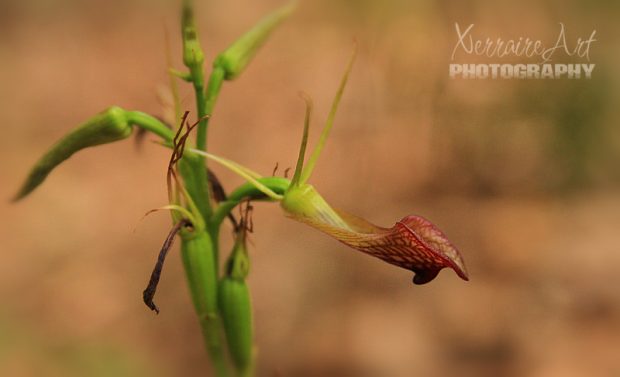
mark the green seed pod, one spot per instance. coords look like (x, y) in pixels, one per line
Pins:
(236, 308)
(106, 127)
(234, 59)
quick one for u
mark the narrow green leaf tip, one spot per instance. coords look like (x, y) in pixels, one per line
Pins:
(304, 140)
(307, 171)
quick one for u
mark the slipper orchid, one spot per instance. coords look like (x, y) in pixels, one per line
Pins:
(412, 243)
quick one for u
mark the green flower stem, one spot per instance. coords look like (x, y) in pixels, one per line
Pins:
(200, 260)
(193, 58)
(201, 108)
(200, 254)
(205, 102)
(194, 174)
(247, 191)
(150, 123)
(201, 271)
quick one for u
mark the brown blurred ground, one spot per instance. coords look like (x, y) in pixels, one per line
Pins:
(521, 175)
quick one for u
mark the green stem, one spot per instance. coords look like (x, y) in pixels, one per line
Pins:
(200, 258)
(201, 268)
(208, 99)
(205, 102)
(199, 170)
(150, 123)
(193, 58)
(195, 178)
(191, 166)
(201, 108)
(247, 191)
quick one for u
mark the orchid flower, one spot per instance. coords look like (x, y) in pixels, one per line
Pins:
(413, 242)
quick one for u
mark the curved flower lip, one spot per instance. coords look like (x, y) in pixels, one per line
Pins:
(435, 245)
(413, 243)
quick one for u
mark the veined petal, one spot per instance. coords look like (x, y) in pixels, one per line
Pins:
(413, 243)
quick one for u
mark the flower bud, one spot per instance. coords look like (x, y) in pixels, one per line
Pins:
(106, 127)
(236, 308)
(193, 56)
(234, 59)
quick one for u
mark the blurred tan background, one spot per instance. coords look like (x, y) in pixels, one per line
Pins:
(521, 175)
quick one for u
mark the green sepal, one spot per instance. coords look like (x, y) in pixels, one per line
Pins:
(248, 191)
(106, 127)
(236, 57)
(304, 202)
